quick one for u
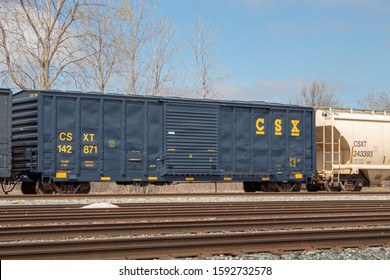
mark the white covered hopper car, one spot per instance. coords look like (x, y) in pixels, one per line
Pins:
(353, 148)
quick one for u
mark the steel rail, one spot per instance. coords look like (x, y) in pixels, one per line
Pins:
(196, 205)
(150, 208)
(195, 245)
(137, 216)
(192, 205)
(113, 229)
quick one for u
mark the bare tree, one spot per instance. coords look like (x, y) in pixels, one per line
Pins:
(202, 44)
(104, 41)
(4, 79)
(135, 15)
(160, 55)
(39, 40)
(318, 95)
(375, 101)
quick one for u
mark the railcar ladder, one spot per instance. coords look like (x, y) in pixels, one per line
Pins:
(331, 153)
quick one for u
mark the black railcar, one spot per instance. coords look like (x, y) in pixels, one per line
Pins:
(5, 134)
(64, 140)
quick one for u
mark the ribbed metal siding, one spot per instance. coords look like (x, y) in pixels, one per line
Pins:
(5, 133)
(191, 139)
(24, 132)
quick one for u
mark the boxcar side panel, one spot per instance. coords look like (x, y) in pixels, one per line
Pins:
(90, 163)
(243, 145)
(296, 144)
(191, 139)
(112, 131)
(310, 146)
(68, 137)
(136, 149)
(25, 132)
(154, 141)
(226, 140)
(5, 133)
(267, 143)
(261, 141)
(47, 133)
(100, 138)
(279, 138)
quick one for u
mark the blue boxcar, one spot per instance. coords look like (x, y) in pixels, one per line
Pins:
(67, 139)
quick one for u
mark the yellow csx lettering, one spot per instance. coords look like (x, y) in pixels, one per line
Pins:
(88, 137)
(295, 130)
(260, 126)
(66, 136)
(278, 127)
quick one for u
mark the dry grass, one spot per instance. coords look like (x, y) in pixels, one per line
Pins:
(174, 188)
(113, 188)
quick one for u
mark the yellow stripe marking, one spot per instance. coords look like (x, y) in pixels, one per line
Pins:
(298, 176)
(61, 175)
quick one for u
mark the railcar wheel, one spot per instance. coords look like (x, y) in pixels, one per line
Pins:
(296, 187)
(72, 188)
(358, 185)
(63, 188)
(28, 188)
(270, 187)
(249, 187)
(332, 187)
(44, 188)
(288, 187)
(282, 187)
(312, 188)
(84, 188)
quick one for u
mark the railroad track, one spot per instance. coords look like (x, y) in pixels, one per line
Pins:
(191, 195)
(167, 230)
(106, 230)
(141, 212)
(195, 245)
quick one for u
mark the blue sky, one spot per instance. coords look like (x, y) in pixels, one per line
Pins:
(270, 49)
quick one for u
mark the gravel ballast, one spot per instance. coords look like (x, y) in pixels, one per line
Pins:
(376, 253)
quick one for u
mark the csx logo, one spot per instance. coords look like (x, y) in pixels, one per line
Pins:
(260, 126)
(66, 136)
(278, 127)
(295, 130)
